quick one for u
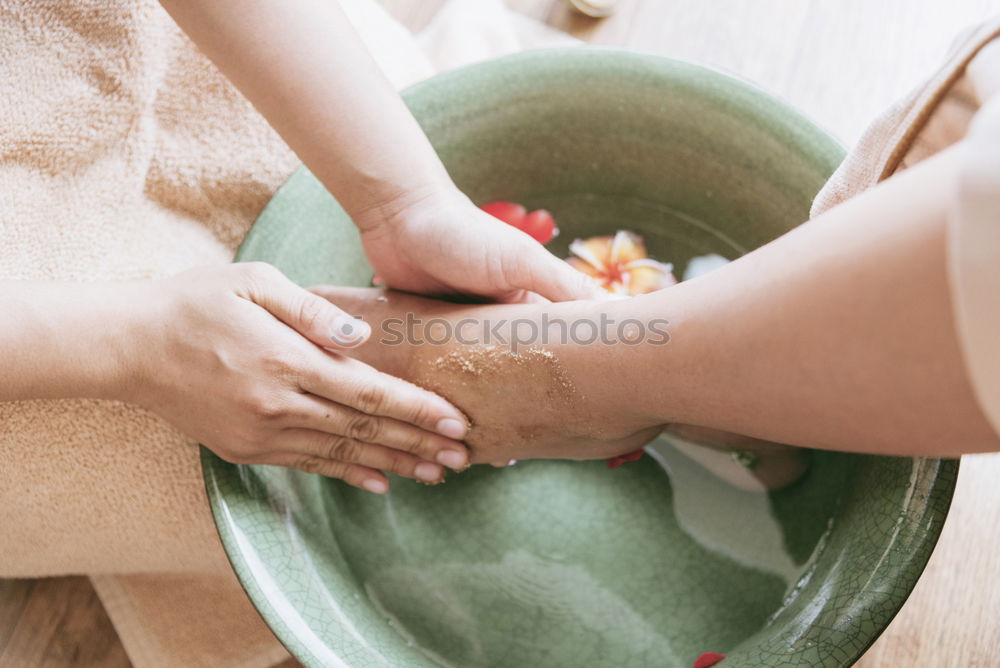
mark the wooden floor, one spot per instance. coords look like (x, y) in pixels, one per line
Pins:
(56, 622)
(841, 61)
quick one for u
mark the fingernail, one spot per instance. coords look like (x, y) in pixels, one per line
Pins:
(375, 485)
(427, 472)
(348, 331)
(451, 428)
(452, 459)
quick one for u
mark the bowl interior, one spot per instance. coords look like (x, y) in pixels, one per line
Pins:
(557, 563)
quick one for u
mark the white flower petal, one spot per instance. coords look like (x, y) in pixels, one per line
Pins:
(580, 249)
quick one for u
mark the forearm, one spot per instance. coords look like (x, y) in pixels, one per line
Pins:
(838, 335)
(60, 340)
(306, 70)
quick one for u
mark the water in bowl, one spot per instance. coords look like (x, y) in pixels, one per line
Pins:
(576, 561)
(670, 234)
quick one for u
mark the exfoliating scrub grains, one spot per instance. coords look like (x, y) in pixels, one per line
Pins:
(618, 262)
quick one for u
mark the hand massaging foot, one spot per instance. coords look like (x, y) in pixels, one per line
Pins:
(538, 400)
(525, 400)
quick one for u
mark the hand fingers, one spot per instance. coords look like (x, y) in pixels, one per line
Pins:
(536, 270)
(319, 414)
(354, 384)
(359, 476)
(310, 315)
(309, 445)
(522, 297)
(350, 295)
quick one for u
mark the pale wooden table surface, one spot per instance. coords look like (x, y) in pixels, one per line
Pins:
(842, 62)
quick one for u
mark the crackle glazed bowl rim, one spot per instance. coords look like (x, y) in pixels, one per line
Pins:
(858, 620)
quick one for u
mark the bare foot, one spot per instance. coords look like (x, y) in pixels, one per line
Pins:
(742, 461)
(525, 399)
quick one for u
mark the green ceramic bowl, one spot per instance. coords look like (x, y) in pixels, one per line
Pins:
(573, 564)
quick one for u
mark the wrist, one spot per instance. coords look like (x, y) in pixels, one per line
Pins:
(394, 207)
(685, 379)
(650, 358)
(65, 340)
(118, 314)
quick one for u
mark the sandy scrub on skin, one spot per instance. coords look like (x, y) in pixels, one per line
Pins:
(526, 402)
(536, 376)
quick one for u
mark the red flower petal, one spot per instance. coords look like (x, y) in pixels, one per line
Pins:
(509, 212)
(708, 659)
(615, 462)
(540, 225)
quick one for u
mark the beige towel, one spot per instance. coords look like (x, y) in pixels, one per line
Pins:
(125, 154)
(932, 117)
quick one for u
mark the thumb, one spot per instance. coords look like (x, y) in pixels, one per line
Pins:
(309, 314)
(543, 273)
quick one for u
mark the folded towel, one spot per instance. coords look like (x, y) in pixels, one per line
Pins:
(125, 154)
(935, 115)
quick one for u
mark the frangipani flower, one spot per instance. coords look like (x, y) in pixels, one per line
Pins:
(620, 264)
